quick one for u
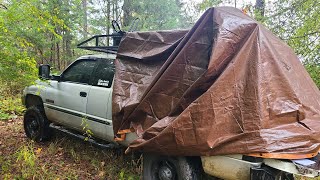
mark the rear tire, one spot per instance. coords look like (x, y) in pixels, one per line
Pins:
(36, 124)
(157, 167)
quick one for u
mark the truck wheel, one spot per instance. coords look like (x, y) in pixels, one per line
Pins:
(36, 125)
(156, 167)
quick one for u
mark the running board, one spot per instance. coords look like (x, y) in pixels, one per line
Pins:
(79, 136)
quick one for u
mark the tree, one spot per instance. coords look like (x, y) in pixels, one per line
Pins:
(151, 16)
(85, 19)
(18, 45)
(205, 4)
(295, 21)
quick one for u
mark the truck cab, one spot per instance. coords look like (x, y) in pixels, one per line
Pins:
(80, 98)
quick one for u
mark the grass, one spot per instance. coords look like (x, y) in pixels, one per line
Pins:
(61, 158)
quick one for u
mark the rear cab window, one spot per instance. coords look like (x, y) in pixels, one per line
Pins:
(104, 73)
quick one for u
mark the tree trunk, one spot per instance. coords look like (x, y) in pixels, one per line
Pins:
(113, 10)
(67, 41)
(41, 55)
(117, 6)
(126, 13)
(85, 19)
(108, 19)
(52, 50)
(58, 55)
(63, 48)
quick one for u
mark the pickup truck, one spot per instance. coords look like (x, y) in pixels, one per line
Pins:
(81, 96)
(79, 102)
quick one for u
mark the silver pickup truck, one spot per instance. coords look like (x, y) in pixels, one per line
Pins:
(81, 96)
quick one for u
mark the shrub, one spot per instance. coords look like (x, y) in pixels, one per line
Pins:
(314, 71)
(10, 107)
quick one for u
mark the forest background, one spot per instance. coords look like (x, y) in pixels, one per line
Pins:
(34, 32)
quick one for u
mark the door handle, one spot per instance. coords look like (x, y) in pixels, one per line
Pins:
(83, 94)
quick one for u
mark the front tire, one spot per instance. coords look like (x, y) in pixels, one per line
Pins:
(36, 124)
(156, 167)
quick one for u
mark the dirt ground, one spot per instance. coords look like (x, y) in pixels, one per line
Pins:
(63, 157)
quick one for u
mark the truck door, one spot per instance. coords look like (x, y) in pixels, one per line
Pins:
(66, 100)
(99, 103)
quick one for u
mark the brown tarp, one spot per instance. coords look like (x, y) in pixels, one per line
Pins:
(227, 86)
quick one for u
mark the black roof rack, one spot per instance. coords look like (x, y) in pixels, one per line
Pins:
(101, 43)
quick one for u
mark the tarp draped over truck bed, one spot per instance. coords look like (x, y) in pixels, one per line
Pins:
(227, 86)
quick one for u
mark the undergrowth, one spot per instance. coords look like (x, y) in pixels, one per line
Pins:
(10, 107)
(22, 164)
(61, 158)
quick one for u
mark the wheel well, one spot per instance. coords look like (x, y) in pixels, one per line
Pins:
(33, 100)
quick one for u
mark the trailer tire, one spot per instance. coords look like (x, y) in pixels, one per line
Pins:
(157, 167)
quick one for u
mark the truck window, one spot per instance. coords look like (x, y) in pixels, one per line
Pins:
(104, 73)
(79, 72)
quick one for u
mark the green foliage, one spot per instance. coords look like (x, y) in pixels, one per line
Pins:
(295, 21)
(123, 175)
(10, 107)
(17, 70)
(86, 128)
(4, 116)
(205, 4)
(314, 71)
(23, 24)
(27, 161)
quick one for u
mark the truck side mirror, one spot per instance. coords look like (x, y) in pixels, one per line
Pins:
(44, 71)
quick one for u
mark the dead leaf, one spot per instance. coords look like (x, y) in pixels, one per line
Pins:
(38, 151)
(102, 163)
(101, 174)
